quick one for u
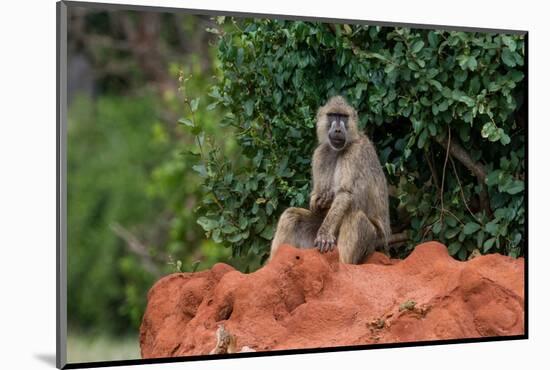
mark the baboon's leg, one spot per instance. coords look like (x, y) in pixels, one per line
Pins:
(357, 238)
(297, 227)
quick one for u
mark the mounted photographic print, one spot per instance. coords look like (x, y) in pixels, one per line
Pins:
(236, 185)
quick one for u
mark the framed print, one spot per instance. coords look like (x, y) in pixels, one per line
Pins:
(236, 185)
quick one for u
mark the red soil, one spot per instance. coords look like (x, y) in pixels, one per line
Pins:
(303, 299)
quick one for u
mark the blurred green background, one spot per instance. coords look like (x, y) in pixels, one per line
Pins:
(131, 189)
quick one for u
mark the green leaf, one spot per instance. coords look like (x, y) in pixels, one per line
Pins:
(488, 244)
(249, 107)
(461, 97)
(422, 139)
(267, 233)
(436, 84)
(433, 38)
(436, 229)
(471, 227)
(508, 58)
(216, 236)
(451, 233)
(359, 89)
(505, 139)
(195, 104)
(207, 224)
(516, 75)
(494, 86)
(235, 238)
(277, 96)
(493, 177)
(508, 41)
(186, 122)
(491, 132)
(389, 68)
(417, 125)
(462, 254)
(480, 236)
(454, 247)
(229, 229)
(492, 227)
(201, 169)
(240, 56)
(417, 46)
(471, 63)
(462, 61)
(451, 221)
(517, 186)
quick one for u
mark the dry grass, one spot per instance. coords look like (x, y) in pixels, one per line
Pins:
(90, 348)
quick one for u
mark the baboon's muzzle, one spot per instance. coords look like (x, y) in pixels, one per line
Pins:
(338, 141)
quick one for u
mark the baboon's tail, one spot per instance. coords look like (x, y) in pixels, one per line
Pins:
(384, 232)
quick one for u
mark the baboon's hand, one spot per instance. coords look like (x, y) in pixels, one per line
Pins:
(321, 201)
(313, 202)
(325, 241)
(325, 199)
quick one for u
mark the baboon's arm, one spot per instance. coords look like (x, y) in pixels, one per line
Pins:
(338, 209)
(344, 193)
(321, 195)
(319, 173)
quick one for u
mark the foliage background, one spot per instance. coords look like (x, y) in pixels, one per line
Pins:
(188, 136)
(445, 110)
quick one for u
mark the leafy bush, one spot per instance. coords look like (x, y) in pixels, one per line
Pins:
(443, 108)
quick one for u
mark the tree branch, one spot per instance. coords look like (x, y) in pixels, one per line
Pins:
(144, 38)
(435, 178)
(442, 188)
(135, 246)
(477, 169)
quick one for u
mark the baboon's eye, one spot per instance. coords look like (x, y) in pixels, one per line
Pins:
(331, 118)
(344, 120)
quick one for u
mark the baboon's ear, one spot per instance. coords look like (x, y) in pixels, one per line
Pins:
(319, 114)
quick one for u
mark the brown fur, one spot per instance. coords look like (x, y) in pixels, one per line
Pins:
(349, 201)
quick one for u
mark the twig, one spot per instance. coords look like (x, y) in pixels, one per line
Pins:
(476, 168)
(429, 227)
(462, 192)
(135, 246)
(443, 175)
(455, 216)
(432, 170)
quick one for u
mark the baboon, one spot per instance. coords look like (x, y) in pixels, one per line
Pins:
(349, 202)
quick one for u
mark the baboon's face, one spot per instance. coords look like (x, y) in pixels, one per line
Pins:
(337, 130)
